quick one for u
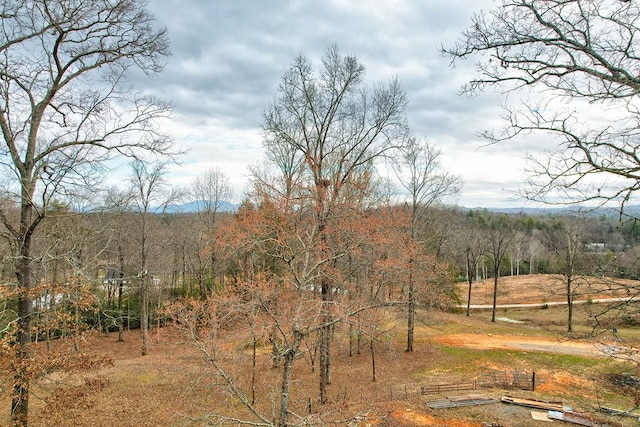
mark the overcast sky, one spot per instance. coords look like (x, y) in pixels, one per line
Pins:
(229, 56)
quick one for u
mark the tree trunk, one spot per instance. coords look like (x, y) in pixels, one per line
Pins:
(470, 279)
(324, 357)
(411, 316)
(411, 312)
(20, 400)
(469, 296)
(373, 358)
(253, 370)
(351, 340)
(144, 285)
(569, 304)
(324, 338)
(359, 337)
(144, 315)
(76, 317)
(120, 289)
(184, 273)
(212, 265)
(495, 293)
(289, 357)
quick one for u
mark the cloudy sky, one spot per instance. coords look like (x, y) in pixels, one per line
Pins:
(229, 56)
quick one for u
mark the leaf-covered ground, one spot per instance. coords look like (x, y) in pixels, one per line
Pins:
(174, 385)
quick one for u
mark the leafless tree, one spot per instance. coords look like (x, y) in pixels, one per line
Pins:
(500, 234)
(566, 239)
(281, 176)
(421, 176)
(336, 127)
(473, 240)
(210, 191)
(65, 110)
(150, 195)
(576, 62)
(535, 249)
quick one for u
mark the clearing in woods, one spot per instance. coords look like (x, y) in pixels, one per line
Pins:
(174, 386)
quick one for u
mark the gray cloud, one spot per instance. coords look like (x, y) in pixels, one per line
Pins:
(228, 58)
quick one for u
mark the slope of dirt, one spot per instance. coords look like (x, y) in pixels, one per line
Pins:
(522, 343)
(541, 288)
(174, 386)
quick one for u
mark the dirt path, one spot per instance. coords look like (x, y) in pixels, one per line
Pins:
(545, 304)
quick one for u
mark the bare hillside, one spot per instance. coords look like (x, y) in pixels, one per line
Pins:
(541, 288)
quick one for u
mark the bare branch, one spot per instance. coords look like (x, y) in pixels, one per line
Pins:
(581, 59)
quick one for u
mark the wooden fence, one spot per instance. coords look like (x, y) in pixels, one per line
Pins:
(516, 379)
(487, 378)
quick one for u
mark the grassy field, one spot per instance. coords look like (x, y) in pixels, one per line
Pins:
(174, 385)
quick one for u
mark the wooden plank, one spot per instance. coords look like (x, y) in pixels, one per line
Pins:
(581, 419)
(540, 416)
(476, 396)
(469, 397)
(533, 403)
(575, 418)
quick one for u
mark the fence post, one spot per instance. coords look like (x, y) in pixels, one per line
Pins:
(533, 381)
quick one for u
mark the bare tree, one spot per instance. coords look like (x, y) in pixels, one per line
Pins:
(338, 127)
(246, 310)
(419, 173)
(500, 234)
(287, 161)
(579, 60)
(150, 195)
(473, 240)
(517, 251)
(65, 111)
(535, 248)
(421, 176)
(566, 239)
(210, 191)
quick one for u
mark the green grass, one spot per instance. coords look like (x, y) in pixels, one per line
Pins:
(462, 358)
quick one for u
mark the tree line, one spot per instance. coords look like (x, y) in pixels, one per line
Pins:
(321, 243)
(135, 267)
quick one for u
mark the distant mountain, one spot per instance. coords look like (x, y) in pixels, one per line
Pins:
(200, 205)
(631, 210)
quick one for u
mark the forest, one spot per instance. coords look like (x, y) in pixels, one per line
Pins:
(349, 226)
(251, 275)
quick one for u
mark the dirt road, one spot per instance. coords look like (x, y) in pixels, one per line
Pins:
(545, 304)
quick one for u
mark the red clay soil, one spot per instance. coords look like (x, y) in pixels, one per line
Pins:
(521, 343)
(170, 361)
(410, 418)
(540, 288)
